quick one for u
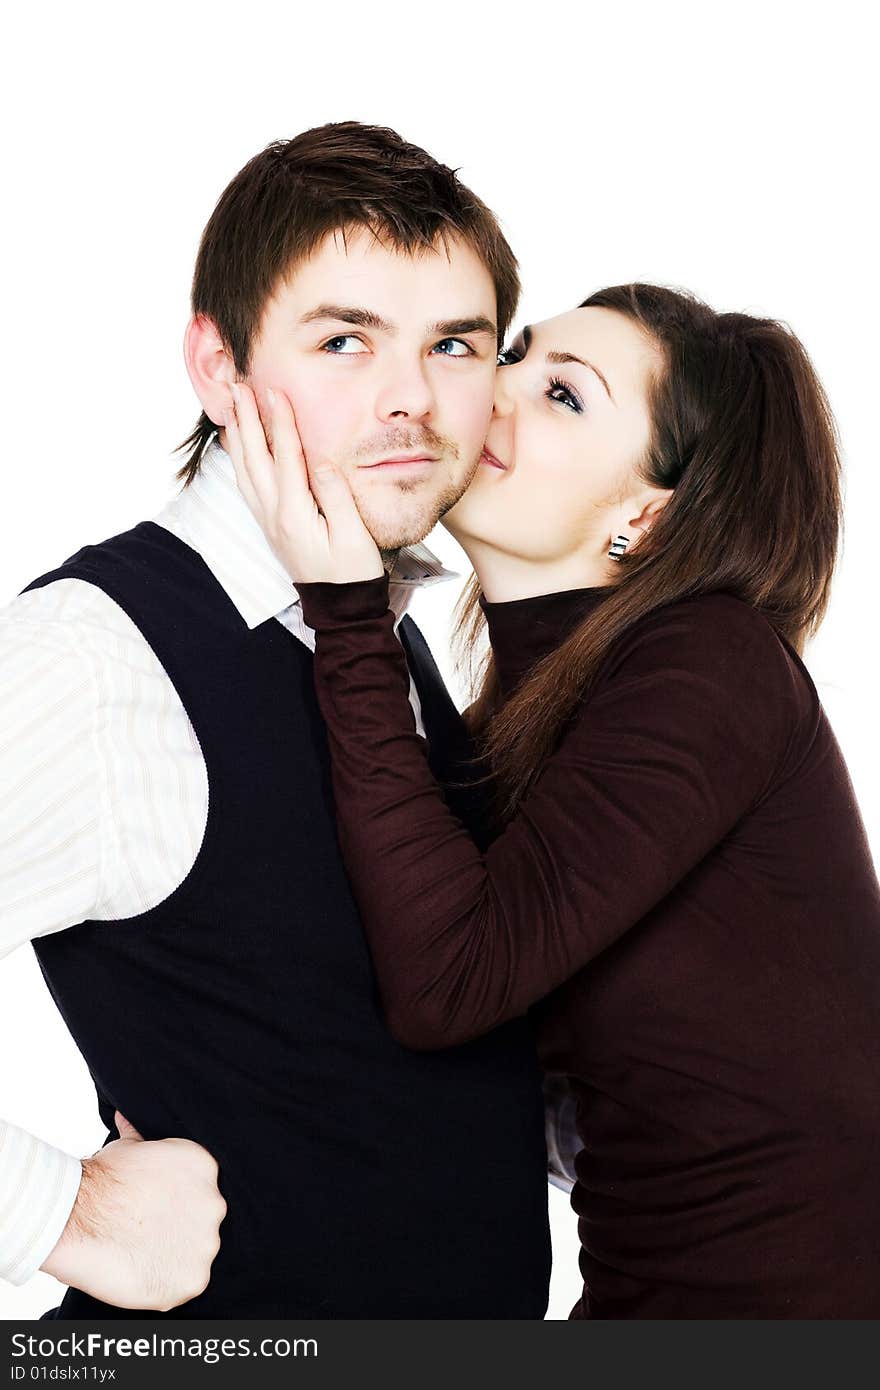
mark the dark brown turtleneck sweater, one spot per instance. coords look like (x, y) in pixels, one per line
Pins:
(687, 901)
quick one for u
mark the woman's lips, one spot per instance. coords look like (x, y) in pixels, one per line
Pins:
(488, 457)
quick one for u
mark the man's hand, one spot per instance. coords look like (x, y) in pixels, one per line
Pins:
(307, 512)
(145, 1227)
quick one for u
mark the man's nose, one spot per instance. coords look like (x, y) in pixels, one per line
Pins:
(405, 394)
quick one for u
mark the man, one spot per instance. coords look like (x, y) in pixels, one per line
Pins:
(172, 851)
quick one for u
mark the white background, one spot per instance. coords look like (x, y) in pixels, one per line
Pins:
(728, 149)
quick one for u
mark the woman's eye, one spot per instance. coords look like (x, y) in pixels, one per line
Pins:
(506, 356)
(558, 391)
(337, 348)
(455, 343)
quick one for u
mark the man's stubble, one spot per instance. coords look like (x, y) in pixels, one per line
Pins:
(393, 527)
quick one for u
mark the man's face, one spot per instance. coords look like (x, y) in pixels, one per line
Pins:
(386, 355)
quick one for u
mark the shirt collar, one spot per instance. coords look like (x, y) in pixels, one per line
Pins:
(211, 516)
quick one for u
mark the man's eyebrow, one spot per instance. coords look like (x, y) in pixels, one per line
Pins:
(349, 313)
(451, 328)
(365, 318)
(560, 358)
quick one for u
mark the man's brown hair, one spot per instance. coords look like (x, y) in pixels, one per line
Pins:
(291, 195)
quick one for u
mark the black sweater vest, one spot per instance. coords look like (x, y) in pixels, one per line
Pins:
(363, 1180)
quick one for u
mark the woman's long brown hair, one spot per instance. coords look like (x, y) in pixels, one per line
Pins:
(743, 433)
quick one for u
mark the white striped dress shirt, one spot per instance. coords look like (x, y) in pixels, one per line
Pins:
(102, 782)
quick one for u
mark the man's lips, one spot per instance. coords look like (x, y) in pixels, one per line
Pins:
(401, 459)
(488, 457)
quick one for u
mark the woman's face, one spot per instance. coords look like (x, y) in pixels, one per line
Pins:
(569, 427)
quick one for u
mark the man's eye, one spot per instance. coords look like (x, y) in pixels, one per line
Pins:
(466, 351)
(337, 347)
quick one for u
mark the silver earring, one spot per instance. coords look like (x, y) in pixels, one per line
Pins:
(618, 546)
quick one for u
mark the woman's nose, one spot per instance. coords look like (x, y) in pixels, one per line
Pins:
(503, 393)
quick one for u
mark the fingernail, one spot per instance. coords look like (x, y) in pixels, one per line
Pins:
(270, 396)
(236, 394)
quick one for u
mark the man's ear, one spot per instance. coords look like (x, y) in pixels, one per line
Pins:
(211, 369)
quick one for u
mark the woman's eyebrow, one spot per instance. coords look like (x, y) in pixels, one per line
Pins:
(560, 358)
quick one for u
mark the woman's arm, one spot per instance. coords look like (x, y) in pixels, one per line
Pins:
(676, 744)
(670, 752)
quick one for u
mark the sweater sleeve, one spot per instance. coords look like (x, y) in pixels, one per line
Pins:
(678, 742)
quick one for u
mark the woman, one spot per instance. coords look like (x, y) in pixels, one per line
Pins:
(679, 882)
